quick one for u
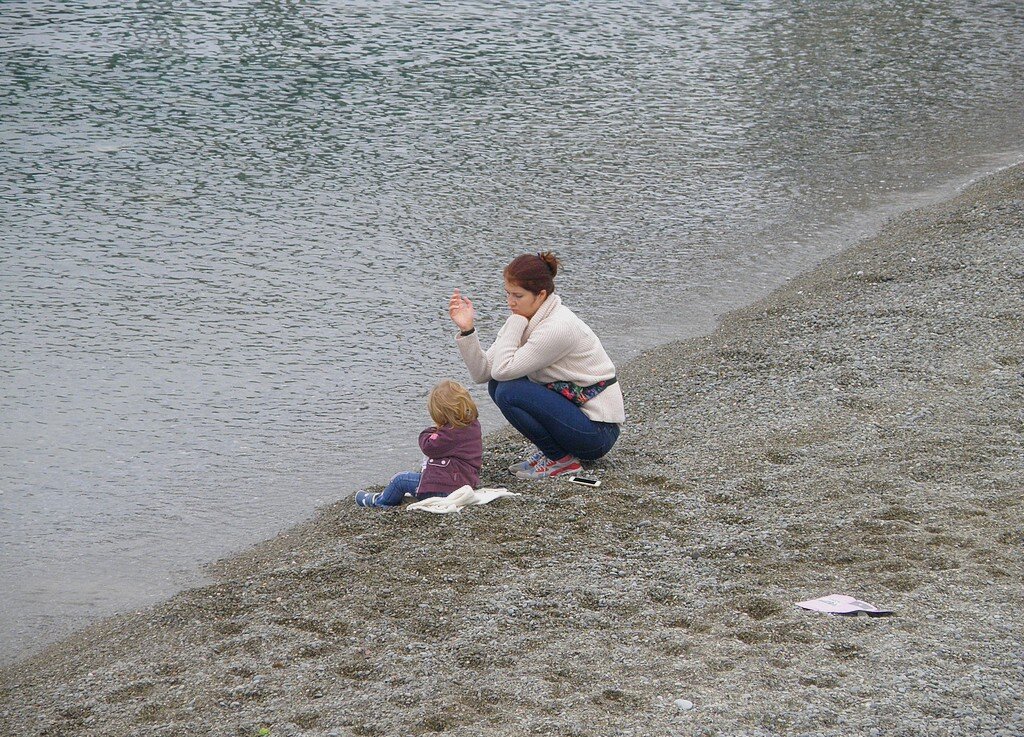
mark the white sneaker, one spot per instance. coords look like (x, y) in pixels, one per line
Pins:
(551, 469)
(529, 463)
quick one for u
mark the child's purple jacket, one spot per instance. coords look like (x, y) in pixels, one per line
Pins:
(454, 456)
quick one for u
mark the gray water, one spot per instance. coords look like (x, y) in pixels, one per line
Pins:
(230, 228)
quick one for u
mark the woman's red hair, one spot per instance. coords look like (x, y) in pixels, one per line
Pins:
(534, 272)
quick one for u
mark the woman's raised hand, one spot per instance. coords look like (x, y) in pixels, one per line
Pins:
(461, 312)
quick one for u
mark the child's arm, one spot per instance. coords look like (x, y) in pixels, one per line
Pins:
(437, 442)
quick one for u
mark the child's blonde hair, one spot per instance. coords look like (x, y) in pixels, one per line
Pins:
(449, 403)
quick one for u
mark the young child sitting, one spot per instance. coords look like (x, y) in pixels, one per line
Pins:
(453, 448)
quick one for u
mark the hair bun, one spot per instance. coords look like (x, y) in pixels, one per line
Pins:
(534, 272)
(550, 260)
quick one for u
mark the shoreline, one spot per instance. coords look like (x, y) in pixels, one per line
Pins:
(840, 233)
(856, 431)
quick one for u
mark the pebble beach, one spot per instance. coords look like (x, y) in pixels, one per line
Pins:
(860, 431)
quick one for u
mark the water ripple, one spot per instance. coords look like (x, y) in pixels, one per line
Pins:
(230, 229)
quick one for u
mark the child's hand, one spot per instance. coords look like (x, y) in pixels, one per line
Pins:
(461, 311)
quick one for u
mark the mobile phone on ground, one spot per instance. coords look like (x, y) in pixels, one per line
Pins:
(584, 481)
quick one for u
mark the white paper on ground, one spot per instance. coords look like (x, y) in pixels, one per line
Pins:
(842, 604)
(458, 500)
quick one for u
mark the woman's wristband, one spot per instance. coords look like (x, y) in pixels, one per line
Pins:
(467, 332)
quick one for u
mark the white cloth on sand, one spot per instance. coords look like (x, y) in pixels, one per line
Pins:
(842, 604)
(464, 496)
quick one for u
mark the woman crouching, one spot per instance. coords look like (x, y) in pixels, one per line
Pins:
(546, 370)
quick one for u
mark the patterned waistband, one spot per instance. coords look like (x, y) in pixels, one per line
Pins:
(580, 395)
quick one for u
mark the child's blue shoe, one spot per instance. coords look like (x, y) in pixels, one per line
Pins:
(366, 499)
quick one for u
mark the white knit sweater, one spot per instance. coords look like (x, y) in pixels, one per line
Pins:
(553, 345)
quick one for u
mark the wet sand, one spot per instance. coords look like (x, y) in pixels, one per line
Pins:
(860, 431)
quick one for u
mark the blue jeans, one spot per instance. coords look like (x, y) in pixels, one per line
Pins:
(397, 487)
(550, 421)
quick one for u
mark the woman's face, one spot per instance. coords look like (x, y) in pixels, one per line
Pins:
(522, 301)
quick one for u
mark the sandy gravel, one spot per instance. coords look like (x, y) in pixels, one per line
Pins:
(860, 431)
